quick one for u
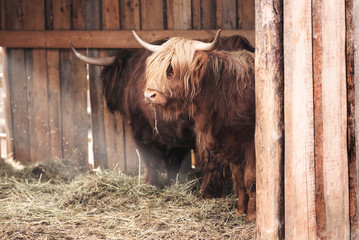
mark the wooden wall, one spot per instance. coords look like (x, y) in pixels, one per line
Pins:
(307, 175)
(47, 87)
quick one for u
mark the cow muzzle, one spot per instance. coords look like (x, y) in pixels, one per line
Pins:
(155, 97)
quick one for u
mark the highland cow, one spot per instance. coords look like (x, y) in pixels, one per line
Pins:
(216, 89)
(160, 140)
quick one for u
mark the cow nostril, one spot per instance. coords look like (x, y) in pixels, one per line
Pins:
(150, 95)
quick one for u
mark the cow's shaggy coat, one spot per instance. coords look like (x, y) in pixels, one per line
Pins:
(161, 141)
(216, 89)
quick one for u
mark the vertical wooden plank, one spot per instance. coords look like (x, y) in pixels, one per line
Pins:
(77, 99)
(74, 118)
(53, 75)
(17, 86)
(40, 147)
(6, 86)
(179, 15)
(13, 15)
(34, 14)
(7, 102)
(330, 117)
(2, 16)
(130, 14)
(18, 95)
(151, 14)
(34, 19)
(130, 19)
(61, 21)
(204, 14)
(61, 14)
(226, 14)
(196, 14)
(269, 119)
(209, 20)
(93, 17)
(54, 103)
(110, 15)
(299, 165)
(353, 98)
(115, 152)
(49, 17)
(245, 14)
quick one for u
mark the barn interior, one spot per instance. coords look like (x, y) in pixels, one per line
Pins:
(55, 122)
(52, 108)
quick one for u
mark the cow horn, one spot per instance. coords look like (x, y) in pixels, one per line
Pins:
(201, 46)
(92, 60)
(148, 46)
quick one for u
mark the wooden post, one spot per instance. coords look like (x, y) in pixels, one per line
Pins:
(269, 119)
(352, 38)
(332, 200)
(300, 218)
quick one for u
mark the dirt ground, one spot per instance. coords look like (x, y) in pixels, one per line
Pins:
(56, 200)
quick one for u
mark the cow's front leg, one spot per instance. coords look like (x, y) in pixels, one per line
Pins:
(239, 188)
(250, 181)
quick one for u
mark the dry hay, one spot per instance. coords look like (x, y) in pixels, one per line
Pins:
(109, 205)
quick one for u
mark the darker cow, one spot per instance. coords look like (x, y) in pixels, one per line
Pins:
(216, 88)
(161, 141)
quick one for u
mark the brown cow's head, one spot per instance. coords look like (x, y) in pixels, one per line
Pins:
(174, 70)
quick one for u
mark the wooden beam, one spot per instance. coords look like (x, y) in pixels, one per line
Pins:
(103, 39)
(269, 135)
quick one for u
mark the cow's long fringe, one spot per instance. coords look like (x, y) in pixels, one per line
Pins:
(178, 55)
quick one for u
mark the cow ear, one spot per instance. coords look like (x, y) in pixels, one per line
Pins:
(198, 69)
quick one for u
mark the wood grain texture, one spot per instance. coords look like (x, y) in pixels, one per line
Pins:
(151, 14)
(352, 93)
(130, 14)
(179, 14)
(110, 15)
(73, 85)
(7, 102)
(330, 109)
(37, 85)
(299, 173)
(17, 85)
(245, 14)
(54, 103)
(103, 39)
(113, 123)
(354, 77)
(93, 22)
(226, 14)
(269, 120)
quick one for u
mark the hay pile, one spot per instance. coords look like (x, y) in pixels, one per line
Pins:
(109, 205)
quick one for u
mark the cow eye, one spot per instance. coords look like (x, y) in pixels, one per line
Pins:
(169, 72)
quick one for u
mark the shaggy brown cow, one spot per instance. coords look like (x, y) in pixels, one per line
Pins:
(123, 84)
(216, 88)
